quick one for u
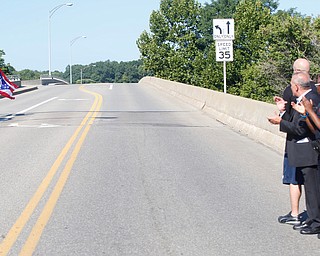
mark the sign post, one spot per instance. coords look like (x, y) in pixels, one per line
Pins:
(223, 34)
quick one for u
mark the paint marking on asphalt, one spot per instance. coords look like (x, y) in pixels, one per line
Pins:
(18, 226)
(35, 106)
(72, 99)
(30, 108)
(34, 237)
(34, 126)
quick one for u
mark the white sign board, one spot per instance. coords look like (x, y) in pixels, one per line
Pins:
(223, 29)
(224, 50)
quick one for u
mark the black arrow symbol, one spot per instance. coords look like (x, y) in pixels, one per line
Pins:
(217, 27)
(228, 24)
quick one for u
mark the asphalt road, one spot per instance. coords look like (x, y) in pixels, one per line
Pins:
(124, 169)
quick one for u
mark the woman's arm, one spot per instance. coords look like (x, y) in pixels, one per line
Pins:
(311, 114)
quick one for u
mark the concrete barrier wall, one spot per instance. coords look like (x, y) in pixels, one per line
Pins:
(30, 82)
(244, 115)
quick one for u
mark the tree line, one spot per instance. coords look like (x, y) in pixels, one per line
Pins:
(99, 72)
(180, 45)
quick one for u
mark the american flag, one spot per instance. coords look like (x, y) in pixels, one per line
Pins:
(6, 87)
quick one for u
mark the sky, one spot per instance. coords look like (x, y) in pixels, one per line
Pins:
(111, 28)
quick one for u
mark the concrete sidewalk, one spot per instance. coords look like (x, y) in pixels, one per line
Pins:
(25, 88)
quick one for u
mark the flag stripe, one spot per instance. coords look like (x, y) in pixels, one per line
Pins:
(6, 87)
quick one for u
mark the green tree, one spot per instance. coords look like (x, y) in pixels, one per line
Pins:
(284, 38)
(107, 72)
(223, 9)
(185, 52)
(27, 74)
(6, 68)
(172, 46)
(315, 43)
(250, 16)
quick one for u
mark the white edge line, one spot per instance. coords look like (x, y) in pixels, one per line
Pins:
(34, 106)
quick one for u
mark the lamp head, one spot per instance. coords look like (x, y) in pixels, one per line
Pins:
(69, 4)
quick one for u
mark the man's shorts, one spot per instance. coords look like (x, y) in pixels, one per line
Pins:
(290, 174)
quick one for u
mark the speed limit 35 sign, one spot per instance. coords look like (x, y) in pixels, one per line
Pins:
(224, 50)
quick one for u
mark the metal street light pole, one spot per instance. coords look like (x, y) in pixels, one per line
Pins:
(49, 30)
(71, 43)
(82, 69)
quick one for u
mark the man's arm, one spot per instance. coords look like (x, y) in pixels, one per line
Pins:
(297, 127)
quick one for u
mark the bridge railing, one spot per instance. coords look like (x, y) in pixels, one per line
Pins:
(244, 115)
(46, 80)
(15, 79)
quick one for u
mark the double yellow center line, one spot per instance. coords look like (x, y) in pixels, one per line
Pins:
(36, 232)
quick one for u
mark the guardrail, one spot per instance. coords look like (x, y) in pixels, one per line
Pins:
(15, 79)
(244, 115)
(46, 80)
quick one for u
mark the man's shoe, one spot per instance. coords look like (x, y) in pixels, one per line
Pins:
(289, 219)
(303, 216)
(301, 226)
(310, 231)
